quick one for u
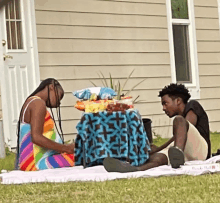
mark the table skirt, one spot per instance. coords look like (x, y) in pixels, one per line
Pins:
(118, 134)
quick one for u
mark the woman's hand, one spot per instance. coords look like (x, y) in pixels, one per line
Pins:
(69, 148)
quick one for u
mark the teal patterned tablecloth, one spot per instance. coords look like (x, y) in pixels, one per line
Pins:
(118, 134)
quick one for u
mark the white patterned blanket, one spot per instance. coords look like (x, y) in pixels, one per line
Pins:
(98, 173)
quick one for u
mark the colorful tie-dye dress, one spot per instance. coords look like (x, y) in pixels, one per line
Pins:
(33, 157)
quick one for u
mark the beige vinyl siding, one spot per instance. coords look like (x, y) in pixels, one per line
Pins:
(128, 7)
(68, 46)
(78, 38)
(93, 19)
(205, 3)
(92, 59)
(100, 33)
(208, 46)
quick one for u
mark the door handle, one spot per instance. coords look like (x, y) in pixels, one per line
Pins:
(7, 57)
(3, 42)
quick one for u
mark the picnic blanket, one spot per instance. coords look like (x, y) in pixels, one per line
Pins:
(98, 173)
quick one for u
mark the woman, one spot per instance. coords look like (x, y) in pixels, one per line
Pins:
(39, 147)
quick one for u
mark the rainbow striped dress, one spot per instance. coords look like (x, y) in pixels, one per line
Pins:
(33, 157)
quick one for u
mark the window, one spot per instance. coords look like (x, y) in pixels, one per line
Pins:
(14, 25)
(181, 52)
(183, 49)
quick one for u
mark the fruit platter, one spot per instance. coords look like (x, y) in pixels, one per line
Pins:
(96, 99)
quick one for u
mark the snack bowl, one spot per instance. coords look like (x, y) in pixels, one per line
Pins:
(126, 101)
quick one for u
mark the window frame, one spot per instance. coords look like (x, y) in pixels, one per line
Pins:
(23, 27)
(193, 87)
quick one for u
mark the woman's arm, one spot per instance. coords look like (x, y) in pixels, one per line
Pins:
(37, 116)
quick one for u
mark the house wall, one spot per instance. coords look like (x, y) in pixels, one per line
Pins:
(78, 38)
(208, 45)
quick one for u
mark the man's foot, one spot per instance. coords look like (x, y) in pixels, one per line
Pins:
(176, 157)
(114, 165)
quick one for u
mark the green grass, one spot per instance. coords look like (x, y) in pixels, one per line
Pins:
(164, 189)
(9, 162)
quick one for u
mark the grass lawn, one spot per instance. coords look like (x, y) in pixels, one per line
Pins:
(203, 188)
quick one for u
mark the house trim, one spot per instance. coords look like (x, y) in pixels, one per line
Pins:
(193, 87)
(34, 44)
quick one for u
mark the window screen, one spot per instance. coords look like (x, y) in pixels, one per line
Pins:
(182, 54)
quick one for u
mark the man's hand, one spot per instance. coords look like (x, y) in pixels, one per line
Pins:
(154, 148)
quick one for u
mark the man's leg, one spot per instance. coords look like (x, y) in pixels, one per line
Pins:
(114, 165)
(180, 129)
(196, 147)
(155, 160)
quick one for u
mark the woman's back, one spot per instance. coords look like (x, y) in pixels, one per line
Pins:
(39, 146)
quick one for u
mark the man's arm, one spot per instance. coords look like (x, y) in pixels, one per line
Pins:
(154, 148)
(191, 117)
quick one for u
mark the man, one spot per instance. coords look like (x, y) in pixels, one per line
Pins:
(191, 138)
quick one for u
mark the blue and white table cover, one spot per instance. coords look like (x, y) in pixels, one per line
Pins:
(111, 134)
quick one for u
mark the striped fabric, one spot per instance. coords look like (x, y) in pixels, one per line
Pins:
(33, 157)
(26, 155)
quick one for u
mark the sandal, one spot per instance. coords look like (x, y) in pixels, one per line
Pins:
(114, 165)
(176, 157)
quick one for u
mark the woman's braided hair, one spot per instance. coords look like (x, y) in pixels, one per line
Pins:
(176, 90)
(43, 84)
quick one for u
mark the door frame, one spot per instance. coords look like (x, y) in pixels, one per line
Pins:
(34, 60)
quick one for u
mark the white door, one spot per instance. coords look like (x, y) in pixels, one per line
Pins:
(19, 69)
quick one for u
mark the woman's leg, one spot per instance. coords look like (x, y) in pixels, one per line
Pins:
(56, 161)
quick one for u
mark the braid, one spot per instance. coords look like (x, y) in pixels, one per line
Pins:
(42, 85)
(58, 115)
(59, 119)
